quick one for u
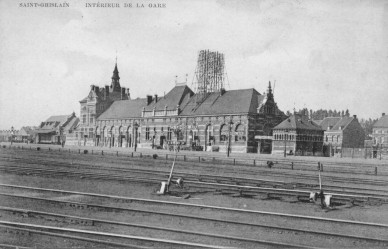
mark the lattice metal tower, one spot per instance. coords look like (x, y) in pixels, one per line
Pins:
(209, 74)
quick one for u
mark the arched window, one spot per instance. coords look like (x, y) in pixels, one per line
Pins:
(209, 134)
(224, 133)
(240, 133)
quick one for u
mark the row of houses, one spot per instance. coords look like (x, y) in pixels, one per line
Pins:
(240, 120)
(300, 136)
(25, 134)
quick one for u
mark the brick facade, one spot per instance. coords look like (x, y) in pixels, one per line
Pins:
(156, 122)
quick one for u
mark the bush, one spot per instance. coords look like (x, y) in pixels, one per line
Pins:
(154, 156)
(4, 146)
(37, 148)
(85, 151)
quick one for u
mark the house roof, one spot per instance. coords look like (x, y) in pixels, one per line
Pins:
(230, 102)
(298, 122)
(342, 123)
(122, 109)
(54, 122)
(175, 97)
(382, 122)
(329, 122)
(72, 124)
(60, 118)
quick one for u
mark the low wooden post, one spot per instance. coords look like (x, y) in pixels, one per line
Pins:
(254, 162)
(292, 165)
(102, 152)
(166, 157)
(79, 151)
(199, 159)
(234, 161)
(117, 153)
(132, 154)
(49, 149)
(375, 170)
(141, 155)
(184, 158)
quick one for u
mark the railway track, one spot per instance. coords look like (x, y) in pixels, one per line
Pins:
(294, 174)
(251, 222)
(279, 163)
(208, 183)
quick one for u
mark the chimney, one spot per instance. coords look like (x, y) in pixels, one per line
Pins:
(128, 94)
(122, 93)
(156, 98)
(149, 99)
(92, 87)
(355, 116)
(106, 91)
(383, 114)
(96, 89)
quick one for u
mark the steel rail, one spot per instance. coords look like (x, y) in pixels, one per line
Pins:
(110, 222)
(301, 163)
(201, 154)
(198, 206)
(199, 177)
(322, 233)
(17, 225)
(70, 237)
(233, 186)
(264, 172)
(14, 246)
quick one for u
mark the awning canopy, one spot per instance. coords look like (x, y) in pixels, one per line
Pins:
(46, 131)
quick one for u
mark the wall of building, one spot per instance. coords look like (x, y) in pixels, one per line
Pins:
(299, 142)
(353, 135)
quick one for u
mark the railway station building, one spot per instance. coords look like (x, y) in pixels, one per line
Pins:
(234, 116)
(297, 135)
(209, 118)
(93, 105)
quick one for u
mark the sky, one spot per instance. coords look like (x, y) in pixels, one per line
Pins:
(322, 54)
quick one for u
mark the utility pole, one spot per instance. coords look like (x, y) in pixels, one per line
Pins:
(12, 133)
(285, 142)
(136, 127)
(229, 131)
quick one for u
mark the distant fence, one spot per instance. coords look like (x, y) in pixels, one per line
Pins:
(380, 153)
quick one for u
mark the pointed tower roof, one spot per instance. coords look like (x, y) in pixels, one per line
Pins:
(116, 73)
(115, 86)
(269, 93)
